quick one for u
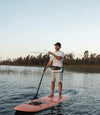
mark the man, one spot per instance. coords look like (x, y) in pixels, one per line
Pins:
(56, 59)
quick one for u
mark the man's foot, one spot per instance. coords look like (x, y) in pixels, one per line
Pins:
(60, 96)
(51, 95)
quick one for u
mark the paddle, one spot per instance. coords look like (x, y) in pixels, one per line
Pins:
(35, 97)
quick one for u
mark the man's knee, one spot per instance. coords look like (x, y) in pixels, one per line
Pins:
(53, 82)
(59, 83)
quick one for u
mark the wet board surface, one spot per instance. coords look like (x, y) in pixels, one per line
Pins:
(40, 104)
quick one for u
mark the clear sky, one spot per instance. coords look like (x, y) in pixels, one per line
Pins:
(30, 26)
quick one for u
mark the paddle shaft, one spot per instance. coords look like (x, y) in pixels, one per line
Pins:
(39, 86)
(40, 80)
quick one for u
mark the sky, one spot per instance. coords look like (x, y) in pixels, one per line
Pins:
(34, 26)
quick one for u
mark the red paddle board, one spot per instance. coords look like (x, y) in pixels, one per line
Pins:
(40, 104)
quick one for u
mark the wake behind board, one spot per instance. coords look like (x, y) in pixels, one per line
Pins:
(40, 104)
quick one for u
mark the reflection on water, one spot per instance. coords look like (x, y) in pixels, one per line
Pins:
(19, 70)
(19, 85)
(29, 70)
(83, 69)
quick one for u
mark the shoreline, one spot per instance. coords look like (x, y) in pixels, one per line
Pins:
(65, 66)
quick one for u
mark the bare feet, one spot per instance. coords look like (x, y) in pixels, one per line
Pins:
(51, 95)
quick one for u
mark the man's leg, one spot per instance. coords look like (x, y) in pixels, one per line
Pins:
(60, 88)
(52, 88)
(52, 84)
(59, 78)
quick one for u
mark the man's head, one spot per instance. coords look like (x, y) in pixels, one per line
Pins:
(57, 46)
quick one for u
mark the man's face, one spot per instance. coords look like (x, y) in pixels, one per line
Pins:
(57, 47)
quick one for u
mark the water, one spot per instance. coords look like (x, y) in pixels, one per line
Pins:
(19, 84)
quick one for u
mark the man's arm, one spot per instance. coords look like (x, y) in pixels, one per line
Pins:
(57, 57)
(48, 64)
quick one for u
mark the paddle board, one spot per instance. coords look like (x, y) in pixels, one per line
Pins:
(40, 104)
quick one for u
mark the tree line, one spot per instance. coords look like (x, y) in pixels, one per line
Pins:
(41, 60)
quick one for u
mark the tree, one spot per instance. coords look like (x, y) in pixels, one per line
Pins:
(86, 54)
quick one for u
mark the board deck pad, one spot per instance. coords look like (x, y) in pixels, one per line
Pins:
(40, 104)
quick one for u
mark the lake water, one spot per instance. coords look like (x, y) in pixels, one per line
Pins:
(19, 84)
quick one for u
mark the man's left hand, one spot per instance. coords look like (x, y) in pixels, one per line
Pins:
(49, 52)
